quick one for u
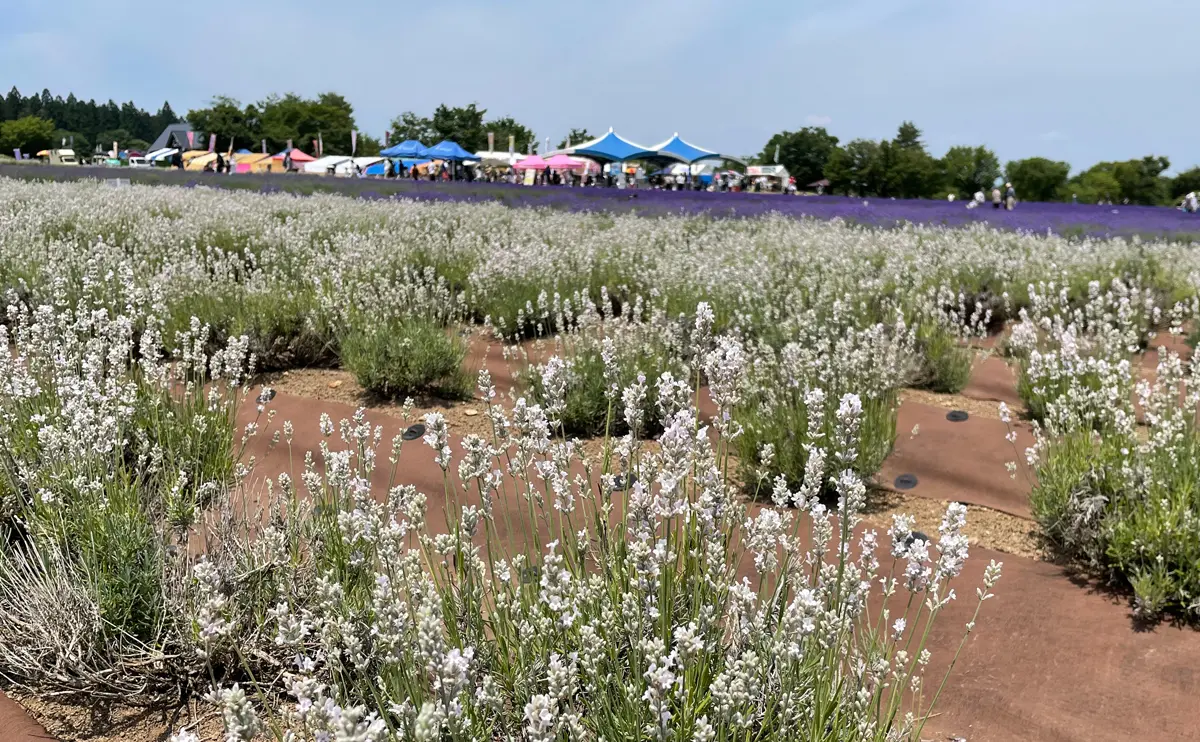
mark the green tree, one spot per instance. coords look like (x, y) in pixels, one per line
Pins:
(970, 169)
(284, 118)
(74, 139)
(122, 137)
(409, 125)
(1092, 186)
(30, 133)
(909, 170)
(462, 125)
(1037, 178)
(857, 168)
(909, 137)
(575, 136)
(1184, 183)
(226, 118)
(329, 118)
(368, 146)
(505, 127)
(1141, 180)
(804, 153)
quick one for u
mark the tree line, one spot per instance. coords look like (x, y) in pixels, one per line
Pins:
(37, 122)
(902, 167)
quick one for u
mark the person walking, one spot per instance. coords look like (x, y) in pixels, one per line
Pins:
(1010, 197)
(996, 197)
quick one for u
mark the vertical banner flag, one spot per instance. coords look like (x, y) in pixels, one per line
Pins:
(353, 142)
(289, 144)
(491, 141)
(114, 154)
(316, 148)
(212, 142)
(64, 142)
(547, 145)
(72, 138)
(776, 153)
(512, 145)
(320, 144)
(264, 146)
(387, 137)
(529, 147)
(17, 153)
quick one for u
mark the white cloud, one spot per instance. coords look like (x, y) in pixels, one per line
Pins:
(813, 119)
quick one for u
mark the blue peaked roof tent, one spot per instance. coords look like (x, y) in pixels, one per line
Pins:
(687, 152)
(447, 150)
(407, 148)
(613, 148)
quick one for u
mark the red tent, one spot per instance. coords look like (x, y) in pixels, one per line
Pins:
(297, 156)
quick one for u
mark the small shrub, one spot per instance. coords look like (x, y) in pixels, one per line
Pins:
(1126, 511)
(589, 408)
(945, 362)
(792, 428)
(405, 356)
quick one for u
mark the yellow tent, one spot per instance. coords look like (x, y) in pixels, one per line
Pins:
(198, 162)
(268, 164)
(192, 154)
(246, 163)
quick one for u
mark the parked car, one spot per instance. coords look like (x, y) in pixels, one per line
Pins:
(140, 162)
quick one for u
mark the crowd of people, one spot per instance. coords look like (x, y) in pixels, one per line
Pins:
(1001, 199)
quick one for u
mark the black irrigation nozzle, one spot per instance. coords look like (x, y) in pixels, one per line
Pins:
(905, 481)
(621, 482)
(413, 432)
(957, 416)
(914, 536)
(266, 395)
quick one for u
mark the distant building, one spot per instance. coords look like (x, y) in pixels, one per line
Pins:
(175, 136)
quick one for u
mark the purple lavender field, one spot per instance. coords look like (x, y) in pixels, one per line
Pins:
(1147, 222)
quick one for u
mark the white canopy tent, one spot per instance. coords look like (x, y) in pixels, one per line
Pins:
(321, 165)
(346, 167)
(697, 169)
(502, 155)
(159, 154)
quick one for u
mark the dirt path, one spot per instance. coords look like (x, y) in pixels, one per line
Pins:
(1053, 657)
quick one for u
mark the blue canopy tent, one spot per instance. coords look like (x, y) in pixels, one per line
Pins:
(613, 148)
(687, 152)
(243, 151)
(407, 148)
(447, 150)
(407, 162)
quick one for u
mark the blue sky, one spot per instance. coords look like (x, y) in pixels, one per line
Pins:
(1077, 80)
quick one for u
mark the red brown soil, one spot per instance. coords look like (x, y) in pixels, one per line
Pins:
(994, 380)
(15, 724)
(960, 461)
(1051, 658)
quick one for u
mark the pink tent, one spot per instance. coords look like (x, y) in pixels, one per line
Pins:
(533, 162)
(563, 162)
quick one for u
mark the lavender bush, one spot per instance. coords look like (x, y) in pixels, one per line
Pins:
(686, 618)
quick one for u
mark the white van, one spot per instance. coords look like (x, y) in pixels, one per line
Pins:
(141, 162)
(63, 157)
